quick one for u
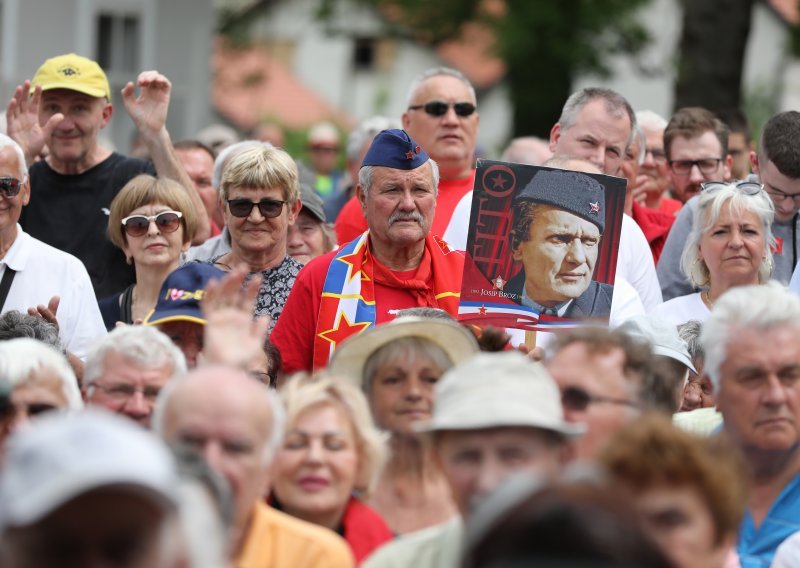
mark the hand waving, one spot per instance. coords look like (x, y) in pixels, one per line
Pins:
(149, 109)
(22, 116)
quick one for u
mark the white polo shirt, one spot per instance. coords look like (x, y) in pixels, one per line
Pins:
(44, 272)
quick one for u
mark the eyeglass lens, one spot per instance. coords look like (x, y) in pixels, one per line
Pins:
(137, 225)
(439, 108)
(269, 208)
(10, 186)
(684, 167)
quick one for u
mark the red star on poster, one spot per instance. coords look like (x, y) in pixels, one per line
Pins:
(482, 310)
(498, 181)
(344, 330)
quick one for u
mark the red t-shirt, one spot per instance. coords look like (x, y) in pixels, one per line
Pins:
(351, 222)
(669, 206)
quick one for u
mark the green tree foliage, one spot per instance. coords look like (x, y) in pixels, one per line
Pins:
(544, 43)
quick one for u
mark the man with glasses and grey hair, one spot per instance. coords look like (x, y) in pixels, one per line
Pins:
(127, 369)
(753, 360)
(36, 277)
(442, 116)
(777, 165)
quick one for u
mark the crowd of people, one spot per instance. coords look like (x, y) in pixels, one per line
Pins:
(218, 354)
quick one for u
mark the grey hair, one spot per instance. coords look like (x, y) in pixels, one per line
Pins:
(438, 72)
(407, 349)
(709, 206)
(366, 173)
(757, 308)
(426, 312)
(650, 119)
(14, 323)
(616, 105)
(143, 345)
(366, 130)
(227, 154)
(638, 134)
(23, 356)
(690, 333)
(271, 445)
(8, 142)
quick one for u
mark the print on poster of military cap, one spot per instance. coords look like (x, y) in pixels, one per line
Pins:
(542, 247)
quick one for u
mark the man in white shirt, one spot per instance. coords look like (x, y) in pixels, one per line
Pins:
(48, 280)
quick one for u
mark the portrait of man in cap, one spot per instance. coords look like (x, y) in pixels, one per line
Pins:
(558, 222)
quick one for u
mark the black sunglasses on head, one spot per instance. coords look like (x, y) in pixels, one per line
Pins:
(440, 108)
(138, 225)
(269, 208)
(10, 187)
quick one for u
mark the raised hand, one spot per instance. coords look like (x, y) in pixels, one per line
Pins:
(48, 312)
(232, 336)
(149, 109)
(22, 116)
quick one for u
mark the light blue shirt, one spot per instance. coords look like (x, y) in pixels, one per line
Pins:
(757, 546)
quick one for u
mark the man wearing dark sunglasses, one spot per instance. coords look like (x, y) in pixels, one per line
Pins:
(442, 116)
(65, 107)
(777, 166)
(603, 376)
(37, 278)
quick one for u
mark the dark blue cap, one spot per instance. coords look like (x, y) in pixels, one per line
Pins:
(180, 295)
(395, 149)
(575, 192)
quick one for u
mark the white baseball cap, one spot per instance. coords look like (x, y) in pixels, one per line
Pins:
(498, 389)
(64, 456)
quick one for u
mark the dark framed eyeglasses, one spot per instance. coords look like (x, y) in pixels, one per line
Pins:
(124, 392)
(707, 166)
(166, 222)
(746, 187)
(779, 196)
(10, 186)
(578, 399)
(440, 108)
(269, 208)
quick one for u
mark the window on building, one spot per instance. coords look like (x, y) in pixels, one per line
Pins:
(364, 53)
(118, 42)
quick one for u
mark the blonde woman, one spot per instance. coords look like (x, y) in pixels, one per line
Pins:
(330, 459)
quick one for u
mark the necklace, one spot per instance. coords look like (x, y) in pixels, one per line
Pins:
(707, 300)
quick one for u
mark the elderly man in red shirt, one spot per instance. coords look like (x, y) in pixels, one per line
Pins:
(395, 264)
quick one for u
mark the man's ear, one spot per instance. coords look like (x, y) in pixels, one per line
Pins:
(362, 199)
(108, 111)
(728, 165)
(754, 161)
(555, 134)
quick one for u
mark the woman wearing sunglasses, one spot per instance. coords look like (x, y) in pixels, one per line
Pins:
(260, 193)
(730, 245)
(153, 221)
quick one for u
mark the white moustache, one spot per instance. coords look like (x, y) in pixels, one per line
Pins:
(397, 216)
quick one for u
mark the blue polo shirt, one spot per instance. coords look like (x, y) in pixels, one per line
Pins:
(757, 546)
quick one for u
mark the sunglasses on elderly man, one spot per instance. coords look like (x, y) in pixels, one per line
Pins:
(269, 208)
(440, 108)
(746, 187)
(10, 187)
(138, 225)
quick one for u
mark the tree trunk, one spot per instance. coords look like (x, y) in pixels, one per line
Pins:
(712, 48)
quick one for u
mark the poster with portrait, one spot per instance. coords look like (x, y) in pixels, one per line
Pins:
(542, 246)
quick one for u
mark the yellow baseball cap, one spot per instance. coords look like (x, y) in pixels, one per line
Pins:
(72, 72)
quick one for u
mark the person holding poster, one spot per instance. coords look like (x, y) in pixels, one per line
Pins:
(559, 219)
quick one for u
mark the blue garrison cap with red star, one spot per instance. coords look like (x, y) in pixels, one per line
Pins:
(395, 149)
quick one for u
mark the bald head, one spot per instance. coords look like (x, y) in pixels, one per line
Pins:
(230, 418)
